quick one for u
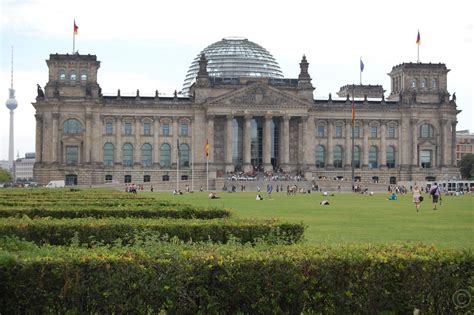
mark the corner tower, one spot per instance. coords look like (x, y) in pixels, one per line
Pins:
(419, 82)
(72, 76)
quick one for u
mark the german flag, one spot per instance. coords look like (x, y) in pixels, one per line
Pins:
(206, 149)
(76, 28)
(418, 38)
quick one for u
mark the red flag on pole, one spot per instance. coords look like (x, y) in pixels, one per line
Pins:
(76, 28)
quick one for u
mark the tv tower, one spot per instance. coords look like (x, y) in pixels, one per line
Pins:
(11, 105)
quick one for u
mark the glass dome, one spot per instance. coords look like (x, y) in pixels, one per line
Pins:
(234, 57)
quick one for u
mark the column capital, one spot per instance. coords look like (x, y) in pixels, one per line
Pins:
(304, 119)
(210, 116)
(248, 116)
(454, 122)
(444, 121)
(413, 121)
(56, 116)
(286, 117)
(39, 117)
(229, 117)
(268, 117)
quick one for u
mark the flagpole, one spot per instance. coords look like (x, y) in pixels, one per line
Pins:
(360, 69)
(192, 158)
(207, 173)
(418, 53)
(73, 42)
(353, 132)
(177, 169)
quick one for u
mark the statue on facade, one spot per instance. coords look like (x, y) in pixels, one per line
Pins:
(454, 97)
(138, 93)
(88, 90)
(100, 91)
(39, 91)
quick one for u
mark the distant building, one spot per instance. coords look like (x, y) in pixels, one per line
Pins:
(237, 113)
(4, 164)
(23, 167)
(464, 143)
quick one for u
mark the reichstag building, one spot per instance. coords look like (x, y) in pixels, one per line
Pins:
(238, 113)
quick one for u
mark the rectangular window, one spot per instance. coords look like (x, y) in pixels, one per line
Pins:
(357, 132)
(128, 128)
(391, 132)
(146, 128)
(321, 131)
(425, 158)
(184, 129)
(109, 128)
(338, 131)
(71, 155)
(127, 179)
(108, 178)
(146, 178)
(165, 128)
(373, 132)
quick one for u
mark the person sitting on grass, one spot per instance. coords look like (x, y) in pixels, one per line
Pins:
(259, 197)
(212, 195)
(393, 196)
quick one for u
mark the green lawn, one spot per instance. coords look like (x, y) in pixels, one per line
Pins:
(355, 218)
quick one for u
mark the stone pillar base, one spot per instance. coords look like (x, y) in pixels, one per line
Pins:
(248, 167)
(268, 167)
(229, 168)
(308, 175)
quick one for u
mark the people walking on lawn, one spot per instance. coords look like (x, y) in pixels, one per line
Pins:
(417, 198)
(435, 195)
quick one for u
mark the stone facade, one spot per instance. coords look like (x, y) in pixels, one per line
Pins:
(271, 124)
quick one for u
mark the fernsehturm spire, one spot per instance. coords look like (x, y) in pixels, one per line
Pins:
(11, 104)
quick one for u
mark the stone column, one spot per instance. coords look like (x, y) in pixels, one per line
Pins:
(247, 138)
(137, 147)
(174, 144)
(285, 143)
(156, 140)
(97, 146)
(330, 157)
(88, 139)
(365, 145)
(453, 143)
(54, 147)
(210, 137)
(229, 167)
(118, 141)
(383, 145)
(414, 147)
(348, 144)
(39, 138)
(267, 143)
(309, 147)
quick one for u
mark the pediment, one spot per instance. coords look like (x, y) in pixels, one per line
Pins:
(260, 95)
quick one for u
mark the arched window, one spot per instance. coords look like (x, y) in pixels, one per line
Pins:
(337, 154)
(424, 83)
(165, 155)
(62, 75)
(108, 154)
(390, 157)
(373, 157)
(414, 83)
(357, 156)
(146, 155)
(72, 75)
(434, 84)
(320, 156)
(83, 75)
(72, 126)
(127, 154)
(183, 155)
(426, 131)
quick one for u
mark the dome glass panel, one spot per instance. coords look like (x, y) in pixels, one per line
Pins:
(234, 57)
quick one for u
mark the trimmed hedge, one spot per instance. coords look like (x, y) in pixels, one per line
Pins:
(90, 230)
(180, 212)
(215, 279)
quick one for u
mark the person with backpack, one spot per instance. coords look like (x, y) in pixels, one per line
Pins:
(434, 193)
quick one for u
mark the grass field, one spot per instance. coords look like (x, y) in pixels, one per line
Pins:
(355, 218)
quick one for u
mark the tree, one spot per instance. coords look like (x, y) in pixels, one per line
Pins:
(466, 166)
(5, 176)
